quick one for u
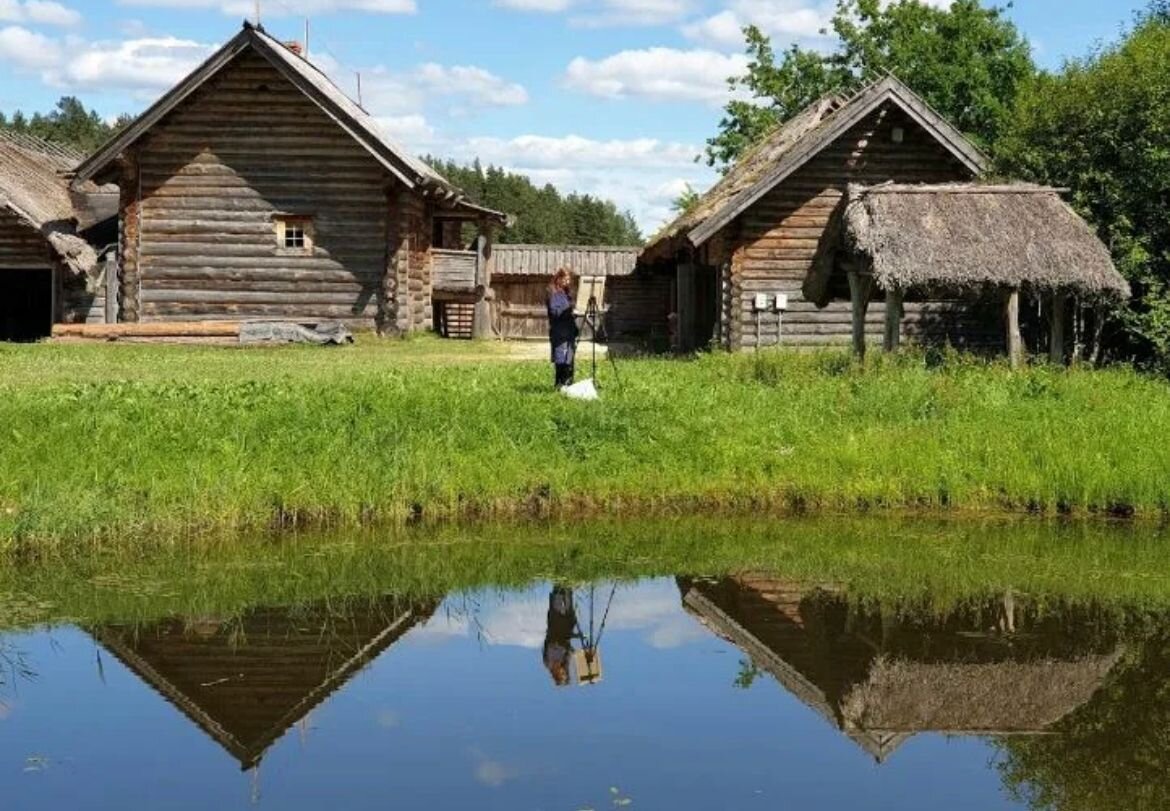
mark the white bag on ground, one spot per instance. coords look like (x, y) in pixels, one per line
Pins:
(585, 390)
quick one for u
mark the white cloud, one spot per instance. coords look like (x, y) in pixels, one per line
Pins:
(27, 49)
(641, 175)
(42, 12)
(658, 74)
(297, 8)
(480, 86)
(786, 21)
(136, 64)
(413, 131)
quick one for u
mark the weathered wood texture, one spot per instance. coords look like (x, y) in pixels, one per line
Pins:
(247, 147)
(774, 245)
(637, 306)
(581, 260)
(454, 271)
(21, 246)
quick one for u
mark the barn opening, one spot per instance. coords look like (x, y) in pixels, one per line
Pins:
(26, 304)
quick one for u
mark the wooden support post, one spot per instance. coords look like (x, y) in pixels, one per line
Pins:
(111, 291)
(481, 326)
(1057, 316)
(860, 285)
(893, 319)
(1015, 342)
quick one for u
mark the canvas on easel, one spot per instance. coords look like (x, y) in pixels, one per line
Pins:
(590, 287)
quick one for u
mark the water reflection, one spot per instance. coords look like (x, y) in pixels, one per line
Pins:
(994, 668)
(247, 680)
(999, 701)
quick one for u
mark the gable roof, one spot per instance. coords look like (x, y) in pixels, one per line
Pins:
(318, 88)
(247, 681)
(796, 142)
(880, 685)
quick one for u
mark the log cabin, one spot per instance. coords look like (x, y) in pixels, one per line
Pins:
(256, 189)
(50, 239)
(999, 667)
(768, 258)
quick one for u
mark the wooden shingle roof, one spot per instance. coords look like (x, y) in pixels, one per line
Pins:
(319, 88)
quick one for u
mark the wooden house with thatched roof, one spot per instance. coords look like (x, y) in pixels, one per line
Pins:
(998, 668)
(766, 259)
(256, 189)
(247, 680)
(49, 270)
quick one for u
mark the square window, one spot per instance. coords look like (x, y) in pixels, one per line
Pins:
(294, 234)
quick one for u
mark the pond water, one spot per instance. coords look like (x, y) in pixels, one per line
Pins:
(745, 691)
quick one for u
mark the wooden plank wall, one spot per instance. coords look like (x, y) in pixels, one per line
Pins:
(638, 306)
(774, 244)
(454, 270)
(214, 173)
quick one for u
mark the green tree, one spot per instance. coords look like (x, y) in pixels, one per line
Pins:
(1101, 127)
(968, 61)
(1112, 753)
(542, 215)
(686, 201)
(69, 124)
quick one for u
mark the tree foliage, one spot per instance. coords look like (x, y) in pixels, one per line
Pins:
(1112, 753)
(1101, 127)
(542, 215)
(69, 124)
(968, 61)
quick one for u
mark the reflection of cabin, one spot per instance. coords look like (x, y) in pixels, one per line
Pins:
(996, 668)
(941, 264)
(49, 270)
(246, 681)
(256, 189)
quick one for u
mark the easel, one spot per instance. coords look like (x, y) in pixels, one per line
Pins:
(591, 292)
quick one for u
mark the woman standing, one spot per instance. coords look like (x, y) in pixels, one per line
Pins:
(562, 327)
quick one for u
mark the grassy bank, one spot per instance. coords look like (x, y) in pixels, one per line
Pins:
(154, 441)
(920, 564)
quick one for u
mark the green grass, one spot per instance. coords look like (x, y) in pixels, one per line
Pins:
(144, 443)
(920, 564)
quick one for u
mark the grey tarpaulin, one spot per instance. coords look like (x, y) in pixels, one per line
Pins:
(278, 332)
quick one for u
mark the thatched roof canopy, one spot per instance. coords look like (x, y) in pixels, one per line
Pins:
(33, 186)
(966, 236)
(31, 179)
(793, 144)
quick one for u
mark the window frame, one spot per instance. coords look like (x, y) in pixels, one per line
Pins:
(302, 222)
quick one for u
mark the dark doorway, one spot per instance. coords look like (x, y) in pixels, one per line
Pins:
(26, 304)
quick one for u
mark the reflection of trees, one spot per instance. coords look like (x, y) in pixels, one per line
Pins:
(13, 666)
(1112, 753)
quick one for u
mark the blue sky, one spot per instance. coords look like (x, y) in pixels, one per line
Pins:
(613, 97)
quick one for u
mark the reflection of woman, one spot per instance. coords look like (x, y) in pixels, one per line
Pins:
(558, 639)
(562, 326)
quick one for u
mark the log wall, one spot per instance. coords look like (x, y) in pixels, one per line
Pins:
(774, 244)
(215, 173)
(21, 246)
